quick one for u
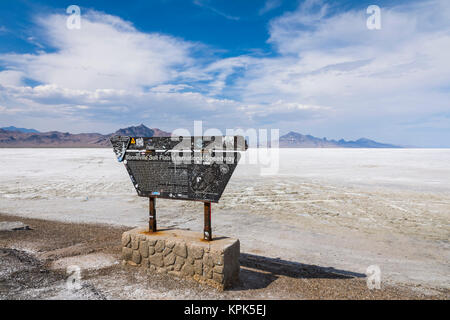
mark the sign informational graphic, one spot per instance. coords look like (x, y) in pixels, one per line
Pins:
(188, 168)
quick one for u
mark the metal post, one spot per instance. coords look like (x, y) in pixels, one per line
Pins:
(152, 215)
(207, 232)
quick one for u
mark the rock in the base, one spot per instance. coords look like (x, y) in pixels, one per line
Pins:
(198, 267)
(143, 248)
(179, 262)
(136, 257)
(218, 269)
(166, 251)
(156, 260)
(195, 252)
(127, 253)
(188, 270)
(180, 249)
(145, 263)
(159, 246)
(125, 239)
(134, 243)
(169, 259)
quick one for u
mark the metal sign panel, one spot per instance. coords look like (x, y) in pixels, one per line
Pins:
(188, 168)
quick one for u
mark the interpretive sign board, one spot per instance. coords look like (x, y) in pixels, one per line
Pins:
(187, 168)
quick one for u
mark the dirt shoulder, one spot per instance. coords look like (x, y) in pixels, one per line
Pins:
(34, 265)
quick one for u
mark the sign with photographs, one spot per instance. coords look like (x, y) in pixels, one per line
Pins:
(187, 168)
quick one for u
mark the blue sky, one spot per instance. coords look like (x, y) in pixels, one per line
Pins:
(308, 66)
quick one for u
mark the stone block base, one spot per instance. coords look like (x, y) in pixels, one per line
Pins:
(184, 253)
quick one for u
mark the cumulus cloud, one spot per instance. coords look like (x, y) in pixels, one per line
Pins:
(107, 52)
(11, 77)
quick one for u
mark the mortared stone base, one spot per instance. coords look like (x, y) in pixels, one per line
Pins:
(184, 253)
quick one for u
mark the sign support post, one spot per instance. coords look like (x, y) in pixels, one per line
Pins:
(207, 232)
(152, 215)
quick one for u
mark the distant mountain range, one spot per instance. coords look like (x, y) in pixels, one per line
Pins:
(12, 137)
(55, 139)
(297, 140)
(11, 128)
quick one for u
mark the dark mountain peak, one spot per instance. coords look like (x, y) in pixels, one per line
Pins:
(136, 131)
(160, 133)
(293, 134)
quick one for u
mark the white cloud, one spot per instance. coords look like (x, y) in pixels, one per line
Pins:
(11, 77)
(269, 5)
(107, 52)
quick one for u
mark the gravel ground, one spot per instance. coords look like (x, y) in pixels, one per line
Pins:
(33, 265)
